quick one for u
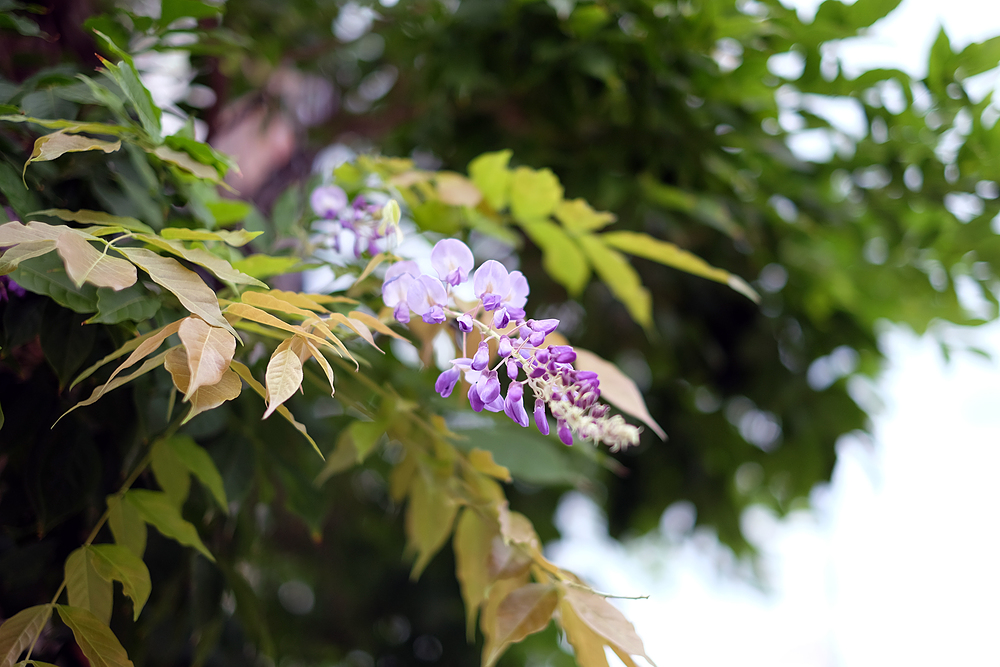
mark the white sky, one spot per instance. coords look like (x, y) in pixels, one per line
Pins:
(897, 565)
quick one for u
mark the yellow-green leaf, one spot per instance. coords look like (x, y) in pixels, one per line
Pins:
(236, 238)
(598, 614)
(201, 465)
(186, 162)
(186, 285)
(23, 251)
(472, 543)
(19, 631)
(372, 265)
(156, 509)
(310, 302)
(324, 364)
(206, 397)
(490, 174)
(127, 527)
(248, 377)
(620, 277)
(117, 563)
(588, 646)
(209, 350)
(523, 612)
(265, 266)
(97, 218)
(482, 460)
(429, 516)
(172, 476)
(561, 256)
(95, 639)
(643, 245)
(222, 269)
(617, 388)
(578, 217)
(343, 457)
(84, 263)
(52, 146)
(365, 435)
(283, 376)
(85, 588)
(534, 193)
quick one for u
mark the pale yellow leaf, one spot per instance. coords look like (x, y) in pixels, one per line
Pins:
(617, 388)
(97, 218)
(523, 612)
(620, 277)
(85, 588)
(588, 646)
(516, 528)
(236, 238)
(57, 144)
(577, 216)
(457, 190)
(24, 251)
(209, 351)
(111, 385)
(254, 314)
(270, 301)
(206, 397)
(248, 377)
(374, 323)
(19, 631)
(12, 233)
(604, 619)
(371, 266)
(322, 361)
(364, 332)
(283, 376)
(143, 346)
(186, 162)
(186, 285)
(222, 269)
(84, 263)
(307, 301)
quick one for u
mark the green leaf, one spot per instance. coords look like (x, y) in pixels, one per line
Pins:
(127, 77)
(265, 266)
(95, 639)
(186, 285)
(57, 144)
(534, 194)
(436, 216)
(561, 256)
(643, 245)
(171, 10)
(46, 275)
(429, 517)
(490, 174)
(201, 465)
(472, 544)
(133, 304)
(365, 435)
(620, 277)
(172, 475)
(71, 126)
(850, 18)
(156, 509)
(85, 588)
(118, 563)
(127, 527)
(527, 454)
(237, 238)
(206, 155)
(19, 631)
(578, 217)
(97, 218)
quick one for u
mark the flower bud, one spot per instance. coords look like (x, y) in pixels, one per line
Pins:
(541, 421)
(465, 323)
(488, 385)
(482, 357)
(564, 354)
(565, 434)
(505, 348)
(514, 404)
(512, 367)
(446, 381)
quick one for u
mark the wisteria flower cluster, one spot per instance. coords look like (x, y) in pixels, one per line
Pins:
(570, 395)
(361, 217)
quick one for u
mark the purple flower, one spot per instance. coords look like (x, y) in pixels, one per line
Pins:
(427, 298)
(512, 367)
(491, 283)
(565, 434)
(496, 405)
(513, 405)
(452, 260)
(541, 421)
(488, 386)
(482, 357)
(505, 348)
(328, 201)
(474, 400)
(446, 381)
(513, 302)
(464, 322)
(564, 354)
(396, 286)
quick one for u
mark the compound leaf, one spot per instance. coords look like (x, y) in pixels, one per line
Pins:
(95, 639)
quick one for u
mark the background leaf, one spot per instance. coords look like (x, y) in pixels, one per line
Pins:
(156, 509)
(85, 588)
(118, 563)
(18, 631)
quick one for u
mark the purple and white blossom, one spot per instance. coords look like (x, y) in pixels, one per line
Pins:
(571, 396)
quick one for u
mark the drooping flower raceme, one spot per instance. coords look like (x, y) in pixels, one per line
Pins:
(362, 217)
(570, 395)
